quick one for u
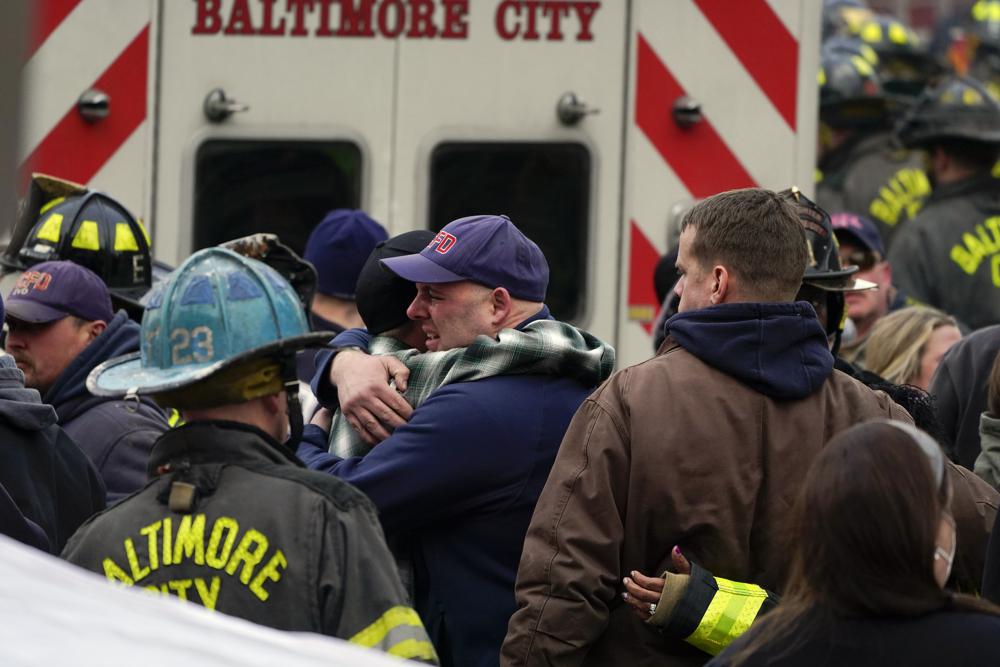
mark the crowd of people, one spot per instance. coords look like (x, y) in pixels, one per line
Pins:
(390, 440)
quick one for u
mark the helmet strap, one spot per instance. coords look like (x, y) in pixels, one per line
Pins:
(291, 382)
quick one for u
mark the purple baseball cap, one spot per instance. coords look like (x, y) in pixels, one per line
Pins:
(339, 247)
(53, 290)
(486, 249)
(859, 228)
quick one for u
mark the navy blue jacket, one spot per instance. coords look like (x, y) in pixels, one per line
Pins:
(117, 435)
(51, 482)
(460, 482)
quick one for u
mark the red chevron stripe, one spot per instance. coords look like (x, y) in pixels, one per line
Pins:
(760, 41)
(76, 149)
(643, 257)
(46, 15)
(697, 154)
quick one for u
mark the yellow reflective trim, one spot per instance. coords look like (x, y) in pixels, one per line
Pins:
(145, 234)
(898, 34)
(821, 77)
(730, 613)
(375, 633)
(124, 238)
(863, 67)
(174, 420)
(54, 202)
(51, 228)
(868, 53)
(871, 33)
(971, 97)
(414, 648)
(87, 236)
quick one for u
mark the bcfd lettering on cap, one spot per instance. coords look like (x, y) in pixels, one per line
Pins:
(443, 242)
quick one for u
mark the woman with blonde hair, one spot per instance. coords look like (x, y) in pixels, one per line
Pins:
(905, 347)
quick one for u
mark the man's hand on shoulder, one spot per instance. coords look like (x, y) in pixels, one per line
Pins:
(371, 405)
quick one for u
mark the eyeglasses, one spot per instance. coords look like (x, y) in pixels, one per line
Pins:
(863, 259)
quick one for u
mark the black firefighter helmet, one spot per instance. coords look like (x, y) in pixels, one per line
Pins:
(60, 220)
(959, 108)
(904, 65)
(850, 91)
(824, 277)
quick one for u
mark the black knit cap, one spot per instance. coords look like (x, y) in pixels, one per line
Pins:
(382, 296)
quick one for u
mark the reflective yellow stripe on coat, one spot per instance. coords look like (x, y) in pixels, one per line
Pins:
(733, 608)
(397, 632)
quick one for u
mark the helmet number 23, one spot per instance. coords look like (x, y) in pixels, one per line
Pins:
(194, 345)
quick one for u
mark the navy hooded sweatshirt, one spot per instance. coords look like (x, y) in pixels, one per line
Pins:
(778, 349)
(45, 474)
(117, 435)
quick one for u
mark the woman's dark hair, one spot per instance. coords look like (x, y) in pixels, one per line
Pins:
(863, 535)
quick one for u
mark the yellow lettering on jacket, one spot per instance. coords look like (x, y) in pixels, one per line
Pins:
(905, 191)
(151, 532)
(180, 587)
(115, 573)
(996, 270)
(250, 552)
(190, 540)
(138, 573)
(975, 247)
(228, 551)
(214, 557)
(209, 596)
(270, 572)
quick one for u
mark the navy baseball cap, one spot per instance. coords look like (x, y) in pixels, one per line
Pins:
(486, 249)
(338, 247)
(53, 290)
(859, 228)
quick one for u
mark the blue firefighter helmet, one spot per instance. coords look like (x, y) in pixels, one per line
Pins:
(222, 328)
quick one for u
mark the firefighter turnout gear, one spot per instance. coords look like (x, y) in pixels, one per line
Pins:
(233, 522)
(708, 612)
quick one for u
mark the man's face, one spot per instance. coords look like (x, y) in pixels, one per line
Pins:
(697, 282)
(867, 305)
(452, 314)
(43, 351)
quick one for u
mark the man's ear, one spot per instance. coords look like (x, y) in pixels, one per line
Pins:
(721, 285)
(95, 329)
(502, 304)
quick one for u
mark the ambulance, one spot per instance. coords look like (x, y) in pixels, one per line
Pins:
(585, 121)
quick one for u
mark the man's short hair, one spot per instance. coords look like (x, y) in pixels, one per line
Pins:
(756, 235)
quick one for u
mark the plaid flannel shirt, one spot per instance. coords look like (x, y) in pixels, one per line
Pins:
(542, 347)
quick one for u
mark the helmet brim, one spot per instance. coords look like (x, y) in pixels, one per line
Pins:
(125, 375)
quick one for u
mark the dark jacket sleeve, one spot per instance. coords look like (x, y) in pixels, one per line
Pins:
(360, 595)
(565, 586)
(947, 405)
(910, 270)
(974, 506)
(991, 575)
(325, 392)
(441, 464)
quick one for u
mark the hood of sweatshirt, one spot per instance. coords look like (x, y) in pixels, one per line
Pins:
(21, 407)
(778, 349)
(69, 395)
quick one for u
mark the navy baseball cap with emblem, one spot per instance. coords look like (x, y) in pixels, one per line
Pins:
(859, 228)
(486, 249)
(51, 291)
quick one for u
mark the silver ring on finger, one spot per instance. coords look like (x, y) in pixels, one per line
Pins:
(652, 608)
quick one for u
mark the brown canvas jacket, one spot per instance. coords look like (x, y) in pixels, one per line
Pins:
(674, 451)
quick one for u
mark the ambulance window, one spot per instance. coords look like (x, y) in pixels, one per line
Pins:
(243, 187)
(543, 187)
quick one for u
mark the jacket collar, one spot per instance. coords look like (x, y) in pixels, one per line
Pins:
(983, 182)
(206, 442)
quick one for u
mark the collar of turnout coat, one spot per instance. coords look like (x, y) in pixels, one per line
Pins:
(206, 442)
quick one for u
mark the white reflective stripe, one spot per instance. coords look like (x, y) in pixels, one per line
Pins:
(72, 58)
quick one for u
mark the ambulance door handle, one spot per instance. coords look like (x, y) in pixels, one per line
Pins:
(218, 107)
(686, 111)
(570, 109)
